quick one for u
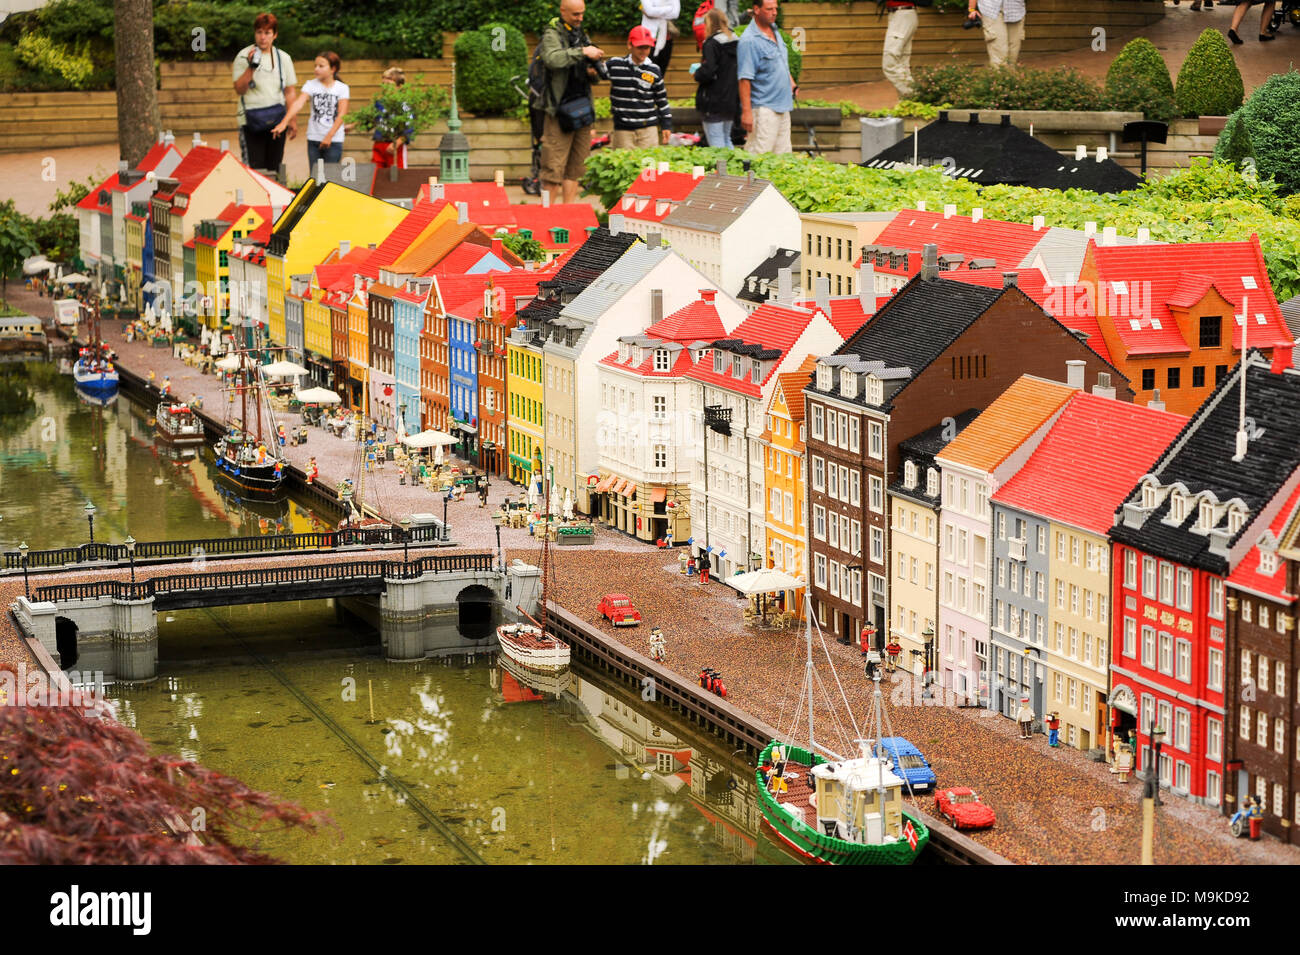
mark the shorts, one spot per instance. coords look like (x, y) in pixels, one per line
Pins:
(564, 155)
(771, 132)
(647, 137)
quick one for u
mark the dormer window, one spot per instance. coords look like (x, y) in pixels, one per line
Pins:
(823, 377)
(1177, 507)
(1267, 564)
(756, 371)
(875, 390)
(1236, 518)
(932, 482)
(1205, 516)
(1150, 495)
(717, 362)
(848, 384)
(661, 359)
(735, 367)
(909, 474)
(622, 351)
(559, 236)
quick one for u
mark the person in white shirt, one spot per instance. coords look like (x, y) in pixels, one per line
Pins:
(265, 81)
(656, 15)
(329, 104)
(1004, 27)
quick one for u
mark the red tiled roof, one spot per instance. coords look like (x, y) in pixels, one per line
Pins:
(847, 314)
(406, 232)
(577, 217)
(1247, 573)
(194, 168)
(696, 322)
(156, 154)
(463, 294)
(653, 195)
(91, 201)
(461, 259)
(1089, 461)
(1007, 243)
(680, 367)
(1159, 277)
(771, 326)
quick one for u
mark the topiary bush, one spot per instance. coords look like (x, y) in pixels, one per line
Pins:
(1272, 122)
(487, 60)
(1234, 145)
(1138, 81)
(1209, 83)
(963, 87)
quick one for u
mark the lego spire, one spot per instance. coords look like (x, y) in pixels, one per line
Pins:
(453, 121)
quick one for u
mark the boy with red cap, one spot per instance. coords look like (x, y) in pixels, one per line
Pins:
(637, 97)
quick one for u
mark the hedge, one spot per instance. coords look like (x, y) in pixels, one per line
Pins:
(1138, 80)
(487, 62)
(1272, 119)
(1205, 202)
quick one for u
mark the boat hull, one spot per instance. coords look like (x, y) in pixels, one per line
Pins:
(545, 654)
(818, 847)
(98, 383)
(257, 480)
(170, 431)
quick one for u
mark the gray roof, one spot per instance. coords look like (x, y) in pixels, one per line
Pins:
(716, 202)
(17, 321)
(612, 284)
(1062, 251)
(1291, 312)
(853, 216)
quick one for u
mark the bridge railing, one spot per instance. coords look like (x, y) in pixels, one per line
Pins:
(227, 546)
(264, 578)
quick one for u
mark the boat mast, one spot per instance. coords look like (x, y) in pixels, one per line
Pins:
(546, 546)
(243, 392)
(808, 682)
(258, 379)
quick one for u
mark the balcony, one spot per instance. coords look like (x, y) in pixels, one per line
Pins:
(1016, 548)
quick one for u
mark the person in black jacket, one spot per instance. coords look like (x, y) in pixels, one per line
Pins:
(718, 95)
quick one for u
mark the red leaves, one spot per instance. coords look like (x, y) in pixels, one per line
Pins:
(88, 791)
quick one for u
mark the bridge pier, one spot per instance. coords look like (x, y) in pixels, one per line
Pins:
(402, 620)
(135, 641)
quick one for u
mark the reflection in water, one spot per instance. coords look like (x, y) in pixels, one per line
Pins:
(514, 774)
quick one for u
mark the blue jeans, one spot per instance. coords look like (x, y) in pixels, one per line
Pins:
(333, 152)
(718, 134)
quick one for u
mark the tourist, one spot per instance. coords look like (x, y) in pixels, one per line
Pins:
(766, 87)
(384, 152)
(717, 97)
(657, 19)
(265, 80)
(1025, 717)
(329, 104)
(1239, 14)
(704, 566)
(1003, 22)
(571, 63)
(896, 56)
(637, 98)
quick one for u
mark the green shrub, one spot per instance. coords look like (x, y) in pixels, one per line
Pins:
(487, 60)
(963, 87)
(1233, 145)
(41, 53)
(1209, 83)
(526, 247)
(1272, 120)
(1138, 81)
(404, 111)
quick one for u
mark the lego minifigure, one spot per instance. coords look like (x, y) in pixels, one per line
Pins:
(1025, 717)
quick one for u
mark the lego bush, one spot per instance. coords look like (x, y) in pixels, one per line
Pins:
(1138, 81)
(487, 60)
(1209, 83)
(1272, 123)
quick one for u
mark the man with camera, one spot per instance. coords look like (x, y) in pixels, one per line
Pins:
(265, 81)
(571, 63)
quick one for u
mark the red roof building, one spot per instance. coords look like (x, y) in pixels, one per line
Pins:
(1172, 315)
(653, 195)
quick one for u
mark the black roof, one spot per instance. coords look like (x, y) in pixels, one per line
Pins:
(592, 258)
(769, 269)
(279, 242)
(1200, 457)
(922, 449)
(999, 153)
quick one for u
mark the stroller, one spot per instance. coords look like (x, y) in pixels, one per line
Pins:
(1288, 11)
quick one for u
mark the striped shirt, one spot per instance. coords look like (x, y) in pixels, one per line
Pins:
(637, 97)
(1013, 11)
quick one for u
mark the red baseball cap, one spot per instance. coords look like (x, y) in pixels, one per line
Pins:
(640, 36)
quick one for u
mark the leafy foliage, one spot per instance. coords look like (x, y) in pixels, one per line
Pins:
(1233, 145)
(1138, 81)
(42, 53)
(1272, 120)
(86, 791)
(17, 242)
(487, 61)
(404, 111)
(964, 87)
(74, 193)
(1208, 201)
(1209, 83)
(526, 247)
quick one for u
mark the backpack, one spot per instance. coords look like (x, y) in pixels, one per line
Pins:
(698, 25)
(539, 87)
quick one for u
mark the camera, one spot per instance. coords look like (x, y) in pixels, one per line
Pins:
(970, 22)
(255, 58)
(602, 69)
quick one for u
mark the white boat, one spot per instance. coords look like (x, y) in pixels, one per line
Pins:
(531, 646)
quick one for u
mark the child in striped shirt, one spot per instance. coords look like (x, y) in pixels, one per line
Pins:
(637, 97)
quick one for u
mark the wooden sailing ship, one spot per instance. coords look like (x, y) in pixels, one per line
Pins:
(250, 458)
(529, 644)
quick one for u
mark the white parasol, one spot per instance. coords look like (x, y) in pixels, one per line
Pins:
(437, 456)
(37, 263)
(75, 278)
(149, 315)
(555, 499)
(319, 396)
(229, 363)
(568, 504)
(765, 581)
(532, 495)
(429, 439)
(283, 369)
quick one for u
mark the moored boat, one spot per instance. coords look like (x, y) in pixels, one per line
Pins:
(531, 646)
(251, 459)
(178, 424)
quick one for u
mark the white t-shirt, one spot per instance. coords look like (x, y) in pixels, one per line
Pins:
(324, 108)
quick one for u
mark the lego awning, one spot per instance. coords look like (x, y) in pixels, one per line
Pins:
(620, 486)
(658, 495)
(524, 463)
(604, 483)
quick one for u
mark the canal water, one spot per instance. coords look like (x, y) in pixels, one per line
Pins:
(460, 761)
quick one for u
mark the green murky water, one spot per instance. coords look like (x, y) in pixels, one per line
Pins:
(460, 762)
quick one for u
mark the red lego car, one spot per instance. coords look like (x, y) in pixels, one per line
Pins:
(618, 610)
(961, 808)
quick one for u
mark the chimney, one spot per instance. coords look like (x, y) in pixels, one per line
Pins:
(198, 140)
(943, 116)
(1108, 235)
(974, 118)
(1103, 389)
(867, 285)
(615, 223)
(1074, 371)
(1089, 228)
(345, 247)
(721, 167)
(370, 246)
(652, 240)
(1155, 401)
(1080, 152)
(751, 283)
(929, 262)
(1040, 222)
(784, 286)
(949, 211)
(546, 199)
(656, 305)
(665, 165)
(708, 294)
(697, 172)
(1144, 234)
(1009, 279)
(239, 197)
(977, 214)
(462, 213)
(749, 172)
(356, 284)
(1281, 360)
(1101, 154)
(497, 247)
(225, 145)
(168, 138)
(392, 173)
(123, 167)
(160, 137)
(500, 178)
(530, 265)
(822, 295)
(920, 205)
(437, 190)
(1006, 120)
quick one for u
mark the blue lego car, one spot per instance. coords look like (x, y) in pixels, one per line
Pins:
(907, 762)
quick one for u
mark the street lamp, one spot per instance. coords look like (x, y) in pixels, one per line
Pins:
(27, 589)
(406, 539)
(928, 634)
(500, 554)
(1151, 797)
(130, 553)
(445, 498)
(90, 519)
(1153, 780)
(401, 410)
